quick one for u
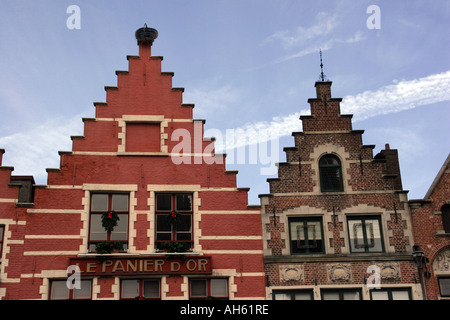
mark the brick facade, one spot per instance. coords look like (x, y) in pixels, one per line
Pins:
(370, 197)
(335, 223)
(430, 234)
(142, 146)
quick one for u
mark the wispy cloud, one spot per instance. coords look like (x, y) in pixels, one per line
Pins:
(31, 151)
(404, 95)
(209, 100)
(324, 24)
(324, 46)
(321, 35)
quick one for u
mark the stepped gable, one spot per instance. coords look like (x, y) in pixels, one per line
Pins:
(326, 130)
(143, 116)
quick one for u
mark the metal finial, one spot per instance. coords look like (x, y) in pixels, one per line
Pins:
(322, 75)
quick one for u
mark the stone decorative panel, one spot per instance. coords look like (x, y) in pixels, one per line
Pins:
(291, 272)
(339, 272)
(442, 261)
(390, 271)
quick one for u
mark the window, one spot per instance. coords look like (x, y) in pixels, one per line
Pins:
(365, 234)
(444, 286)
(446, 217)
(306, 235)
(143, 137)
(390, 294)
(293, 295)
(60, 291)
(168, 230)
(2, 232)
(103, 203)
(341, 294)
(330, 174)
(140, 288)
(208, 288)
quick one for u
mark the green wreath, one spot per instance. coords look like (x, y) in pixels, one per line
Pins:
(174, 219)
(109, 220)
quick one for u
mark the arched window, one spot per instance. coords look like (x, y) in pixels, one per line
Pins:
(446, 217)
(330, 174)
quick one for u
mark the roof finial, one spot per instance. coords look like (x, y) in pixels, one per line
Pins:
(322, 75)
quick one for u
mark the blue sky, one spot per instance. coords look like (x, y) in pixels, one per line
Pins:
(245, 64)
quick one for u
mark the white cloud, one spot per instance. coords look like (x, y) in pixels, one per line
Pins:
(404, 95)
(324, 23)
(31, 151)
(208, 100)
(311, 39)
(324, 46)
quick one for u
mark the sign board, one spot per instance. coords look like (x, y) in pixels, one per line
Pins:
(114, 266)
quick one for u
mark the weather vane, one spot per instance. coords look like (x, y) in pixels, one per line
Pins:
(322, 75)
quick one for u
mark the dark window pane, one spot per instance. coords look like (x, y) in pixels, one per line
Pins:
(183, 236)
(151, 288)
(446, 217)
(163, 222)
(444, 285)
(184, 222)
(184, 202)
(163, 202)
(330, 174)
(198, 288)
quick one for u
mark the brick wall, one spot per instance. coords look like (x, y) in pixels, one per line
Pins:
(371, 187)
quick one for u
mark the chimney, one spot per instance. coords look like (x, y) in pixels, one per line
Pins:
(145, 37)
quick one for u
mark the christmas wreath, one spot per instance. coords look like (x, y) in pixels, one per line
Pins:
(109, 220)
(175, 219)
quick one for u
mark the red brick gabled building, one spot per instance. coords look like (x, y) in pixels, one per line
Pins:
(336, 221)
(180, 227)
(431, 225)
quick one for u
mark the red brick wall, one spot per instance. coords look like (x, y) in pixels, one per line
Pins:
(43, 236)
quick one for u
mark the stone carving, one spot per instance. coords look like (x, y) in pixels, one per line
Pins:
(442, 261)
(292, 272)
(339, 272)
(390, 271)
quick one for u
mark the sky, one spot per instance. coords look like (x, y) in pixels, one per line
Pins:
(248, 66)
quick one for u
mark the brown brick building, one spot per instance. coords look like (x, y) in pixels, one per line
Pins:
(431, 225)
(337, 218)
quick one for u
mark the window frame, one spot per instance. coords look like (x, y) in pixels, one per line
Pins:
(91, 242)
(389, 291)
(292, 293)
(2, 235)
(364, 229)
(163, 213)
(141, 288)
(440, 288)
(341, 292)
(305, 220)
(324, 185)
(445, 214)
(209, 295)
(71, 295)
